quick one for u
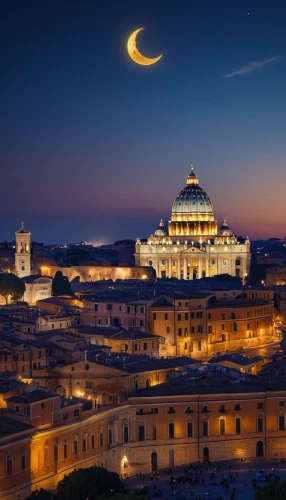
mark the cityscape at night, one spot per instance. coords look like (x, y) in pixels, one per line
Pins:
(143, 250)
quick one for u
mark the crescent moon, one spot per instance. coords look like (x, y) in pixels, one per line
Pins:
(134, 52)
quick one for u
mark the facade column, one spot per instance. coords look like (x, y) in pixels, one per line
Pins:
(185, 268)
(207, 265)
(199, 269)
(170, 267)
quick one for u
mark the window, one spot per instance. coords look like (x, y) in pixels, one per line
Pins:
(235, 327)
(76, 413)
(135, 347)
(42, 405)
(154, 316)
(210, 329)
(237, 407)
(281, 422)
(223, 316)
(84, 442)
(189, 429)
(180, 332)
(199, 345)
(154, 433)
(154, 410)
(142, 310)
(237, 425)
(205, 428)
(110, 435)
(209, 316)
(23, 460)
(145, 346)
(96, 307)
(101, 439)
(88, 385)
(222, 408)
(46, 454)
(199, 315)
(168, 329)
(186, 346)
(222, 426)
(186, 316)
(189, 409)
(205, 409)
(141, 433)
(171, 429)
(260, 424)
(92, 441)
(186, 332)
(192, 329)
(166, 316)
(260, 406)
(179, 317)
(192, 315)
(109, 307)
(129, 310)
(171, 409)
(232, 315)
(281, 403)
(86, 366)
(75, 445)
(125, 432)
(237, 262)
(65, 449)
(141, 323)
(248, 326)
(200, 328)
(9, 464)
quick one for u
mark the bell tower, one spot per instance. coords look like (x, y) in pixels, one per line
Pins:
(23, 252)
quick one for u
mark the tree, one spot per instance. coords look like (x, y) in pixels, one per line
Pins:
(89, 483)
(11, 285)
(40, 494)
(61, 285)
(275, 490)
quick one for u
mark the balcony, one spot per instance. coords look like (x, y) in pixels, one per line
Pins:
(189, 411)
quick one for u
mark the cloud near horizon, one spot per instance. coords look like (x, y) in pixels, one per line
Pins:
(248, 68)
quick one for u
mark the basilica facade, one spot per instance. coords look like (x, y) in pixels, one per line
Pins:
(194, 246)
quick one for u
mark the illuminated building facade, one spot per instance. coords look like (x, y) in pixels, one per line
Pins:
(43, 438)
(194, 247)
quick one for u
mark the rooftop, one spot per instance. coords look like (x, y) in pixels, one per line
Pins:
(10, 426)
(32, 397)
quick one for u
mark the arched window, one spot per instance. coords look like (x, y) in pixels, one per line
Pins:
(56, 450)
(46, 454)
(65, 449)
(9, 464)
(148, 383)
(75, 445)
(125, 432)
(84, 442)
(237, 262)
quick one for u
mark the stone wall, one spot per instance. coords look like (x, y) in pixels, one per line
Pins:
(96, 273)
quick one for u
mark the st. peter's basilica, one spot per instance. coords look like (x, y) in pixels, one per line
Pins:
(193, 246)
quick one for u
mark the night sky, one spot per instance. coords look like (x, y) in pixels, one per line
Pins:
(95, 147)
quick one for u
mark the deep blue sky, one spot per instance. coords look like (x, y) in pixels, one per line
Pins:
(96, 147)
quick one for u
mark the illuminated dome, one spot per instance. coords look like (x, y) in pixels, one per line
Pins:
(192, 199)
(161, 231)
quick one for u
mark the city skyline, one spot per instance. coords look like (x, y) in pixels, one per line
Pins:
(97, 148)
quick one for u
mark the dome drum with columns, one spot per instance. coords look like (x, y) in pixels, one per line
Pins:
(193, 247)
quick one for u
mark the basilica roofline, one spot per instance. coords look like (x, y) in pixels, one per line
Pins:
(195, 242)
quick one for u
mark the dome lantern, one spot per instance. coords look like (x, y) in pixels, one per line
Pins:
(192, 178)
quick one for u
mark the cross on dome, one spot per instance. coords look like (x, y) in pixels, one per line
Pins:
(192, 178)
